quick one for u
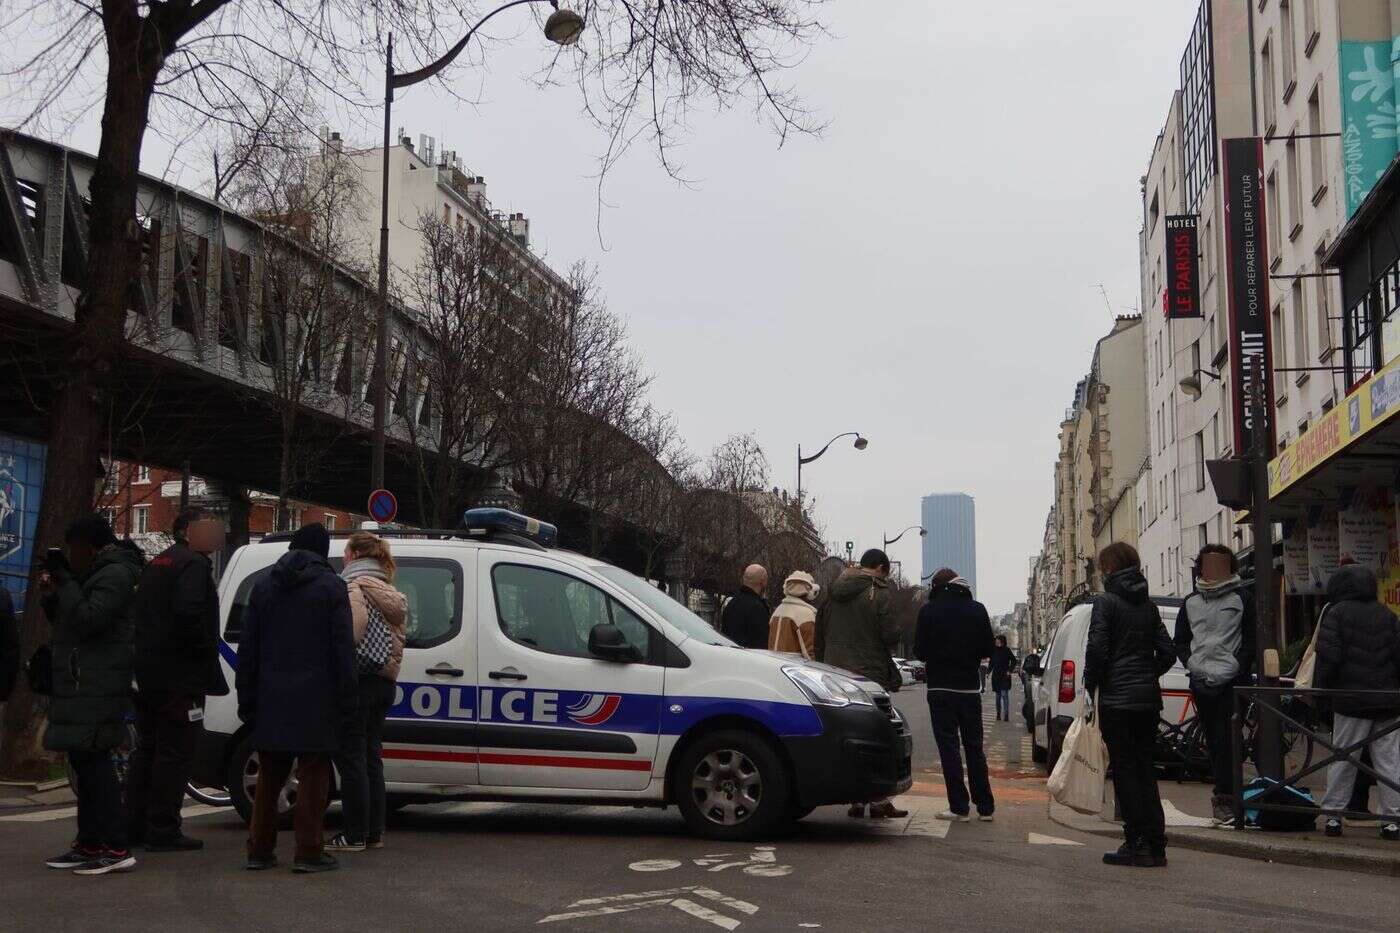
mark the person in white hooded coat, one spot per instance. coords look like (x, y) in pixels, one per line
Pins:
(793, 626)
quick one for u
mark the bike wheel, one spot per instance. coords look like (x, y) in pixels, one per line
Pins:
(209, 796)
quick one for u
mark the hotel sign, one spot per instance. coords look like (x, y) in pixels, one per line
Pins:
(1183, 268)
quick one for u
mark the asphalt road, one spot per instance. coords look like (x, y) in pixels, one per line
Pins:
(506, 867)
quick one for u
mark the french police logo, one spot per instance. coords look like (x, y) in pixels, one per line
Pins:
(11, 514)
(594, 709)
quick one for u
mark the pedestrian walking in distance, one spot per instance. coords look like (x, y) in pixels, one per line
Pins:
(177, 666)
(859, 634)
(953, 635)
(379, 614)
(1128, 651)
(793, 627)
(1002, 664)
(88, 598)
(744, 620)
(1358, 648)
(1215, 642)
(297, 690)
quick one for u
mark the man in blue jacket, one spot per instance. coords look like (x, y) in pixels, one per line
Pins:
(297, 688)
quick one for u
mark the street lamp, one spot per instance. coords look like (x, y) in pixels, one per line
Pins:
(923, 532)
(563, 27)
(860, 444)
(1191, 385)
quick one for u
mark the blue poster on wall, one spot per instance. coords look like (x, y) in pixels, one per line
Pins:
(21, 489)
(1367, 85)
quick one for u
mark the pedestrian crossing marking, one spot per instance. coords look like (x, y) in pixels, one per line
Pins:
(65, 813)
(1176, 818)
(1037, 839)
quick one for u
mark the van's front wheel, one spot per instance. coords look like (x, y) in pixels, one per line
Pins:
(732, 785)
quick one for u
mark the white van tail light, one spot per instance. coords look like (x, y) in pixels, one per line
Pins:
(1066, 681)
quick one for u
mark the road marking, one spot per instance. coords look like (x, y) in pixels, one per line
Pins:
(1176, 818)
(655, 864)
(761, 862)
(1036, 839)
(671, 897)
(64, 813)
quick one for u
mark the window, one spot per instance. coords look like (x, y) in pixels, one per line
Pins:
(1280, 353)
(1153, 212)
(1317, 174)
(1300, 327)
(1266, 77)
(1200, 460)
(109, 477)
(554, 612)
(447, 213)
(1195, 356)
(1274, 209)
(141, 520)
(1208, 249)
(1295, 188)
(109, 515)
(143, 475)
(1203, 535)
(1197, 84)
(329, 521)
(1310, 30)
(1288, 49)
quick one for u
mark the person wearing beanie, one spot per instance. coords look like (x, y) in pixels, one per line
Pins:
(793, 626)
(297, 690)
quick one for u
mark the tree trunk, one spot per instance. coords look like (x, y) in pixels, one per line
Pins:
(84, 398)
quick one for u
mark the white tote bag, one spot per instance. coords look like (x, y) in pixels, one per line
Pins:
(1077, 781)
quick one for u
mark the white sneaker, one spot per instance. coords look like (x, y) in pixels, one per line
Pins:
(952, 817)
(985, 818)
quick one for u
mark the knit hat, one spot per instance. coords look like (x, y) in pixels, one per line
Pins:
(314, 538)
(802, 579)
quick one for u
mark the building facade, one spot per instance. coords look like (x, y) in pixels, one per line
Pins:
(950, 520)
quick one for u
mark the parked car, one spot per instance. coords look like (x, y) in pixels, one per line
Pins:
(1058, 679)
(906, 672)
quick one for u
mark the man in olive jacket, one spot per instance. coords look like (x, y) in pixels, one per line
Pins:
(88, 601)
(858, 633)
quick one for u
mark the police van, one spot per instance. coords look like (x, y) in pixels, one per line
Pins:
(537, 674)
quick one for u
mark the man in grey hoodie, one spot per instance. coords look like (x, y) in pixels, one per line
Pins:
(1215, 641)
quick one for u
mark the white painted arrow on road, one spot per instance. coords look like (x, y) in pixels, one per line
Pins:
(671, 897)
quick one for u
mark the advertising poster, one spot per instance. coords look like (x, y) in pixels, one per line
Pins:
(1295, 562)
(1247, 250)
(1323, 558)
(1363, 528)
(21, 487)
(1368, 116)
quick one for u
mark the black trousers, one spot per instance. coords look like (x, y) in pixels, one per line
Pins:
(160, 766)
(100, 820)
(957, 729)
(1131, 737)
(361, 760)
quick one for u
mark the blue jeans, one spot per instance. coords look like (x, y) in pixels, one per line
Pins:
(1004, 705)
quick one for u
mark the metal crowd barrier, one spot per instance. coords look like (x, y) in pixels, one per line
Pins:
(1270, 700)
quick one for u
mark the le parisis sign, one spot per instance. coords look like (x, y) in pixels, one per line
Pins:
(1183, 268)
(1246, 246)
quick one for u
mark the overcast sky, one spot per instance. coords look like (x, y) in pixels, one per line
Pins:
(926, 273)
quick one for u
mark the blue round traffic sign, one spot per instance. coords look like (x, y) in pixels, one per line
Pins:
(383, 506)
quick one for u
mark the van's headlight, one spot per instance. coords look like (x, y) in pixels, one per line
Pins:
(827, 689)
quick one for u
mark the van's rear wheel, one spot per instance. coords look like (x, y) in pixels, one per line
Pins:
(732, 785)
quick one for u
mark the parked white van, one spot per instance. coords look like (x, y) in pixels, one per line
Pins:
(535, 674)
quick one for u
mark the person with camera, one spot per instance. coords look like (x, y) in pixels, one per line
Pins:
(177, 666)
(88, 598)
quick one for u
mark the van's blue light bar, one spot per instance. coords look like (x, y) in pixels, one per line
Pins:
(485, 521)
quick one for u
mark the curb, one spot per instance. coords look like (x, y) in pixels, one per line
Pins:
(1255, 845)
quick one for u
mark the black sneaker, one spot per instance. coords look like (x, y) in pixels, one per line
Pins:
(111, 860)
(322, 862)
(73, 858)
(1130, 856)
(180, 843)
(374, 841)
(261, 864)
(1332, 828)
(343, 843)
(1390, 832)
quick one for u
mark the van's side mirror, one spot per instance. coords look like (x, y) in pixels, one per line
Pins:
(606, 641)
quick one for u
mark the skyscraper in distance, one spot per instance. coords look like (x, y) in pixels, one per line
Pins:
(950, 518)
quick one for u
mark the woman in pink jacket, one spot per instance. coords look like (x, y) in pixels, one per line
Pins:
(379, 614)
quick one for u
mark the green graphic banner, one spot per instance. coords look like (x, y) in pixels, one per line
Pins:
(1367, 81)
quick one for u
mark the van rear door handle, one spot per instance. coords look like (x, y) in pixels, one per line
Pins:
(443, 669)
(508, 674)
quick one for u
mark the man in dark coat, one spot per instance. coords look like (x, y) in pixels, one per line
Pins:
(9, 645)
(1358, 648)
(953, 635)
(745, 617)
(177, 666)
(297, 690)
(88, 599)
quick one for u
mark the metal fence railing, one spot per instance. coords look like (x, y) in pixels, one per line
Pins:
(1287, 704)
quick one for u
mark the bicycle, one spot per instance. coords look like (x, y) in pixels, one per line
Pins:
(1186, 744)
(121, 759)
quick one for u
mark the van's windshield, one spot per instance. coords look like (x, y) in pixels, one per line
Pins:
(672, 611)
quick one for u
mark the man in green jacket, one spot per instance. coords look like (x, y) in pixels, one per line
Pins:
(858, 631)
(88, 600)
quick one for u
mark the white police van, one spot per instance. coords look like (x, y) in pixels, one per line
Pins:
(536, 674)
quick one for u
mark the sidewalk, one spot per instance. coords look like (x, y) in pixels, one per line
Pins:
(1189, 826)
(44, 794)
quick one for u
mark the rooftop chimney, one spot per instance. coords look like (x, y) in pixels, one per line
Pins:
(520, 229)
(476, 191)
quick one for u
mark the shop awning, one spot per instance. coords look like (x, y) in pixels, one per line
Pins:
(1357, 443)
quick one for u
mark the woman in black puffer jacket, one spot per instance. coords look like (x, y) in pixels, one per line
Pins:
(1128, 650)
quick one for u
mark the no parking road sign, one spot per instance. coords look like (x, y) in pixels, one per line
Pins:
(383, 506)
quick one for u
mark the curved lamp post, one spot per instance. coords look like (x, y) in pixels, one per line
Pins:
(860, 444)
(563, 27)
(922, 533)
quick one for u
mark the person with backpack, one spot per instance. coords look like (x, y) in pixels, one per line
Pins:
(88, 598)
(1215, 636)
(1127, 652)
(297, 691)
(1358, 648)
(380, 621)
